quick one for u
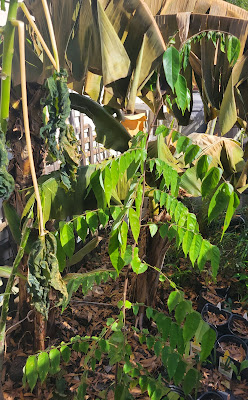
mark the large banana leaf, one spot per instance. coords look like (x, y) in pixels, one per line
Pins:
(110, 132)
(226, 153)
(211, 7)
(115, 40)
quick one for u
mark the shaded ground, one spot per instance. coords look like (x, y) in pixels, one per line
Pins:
(87, 315)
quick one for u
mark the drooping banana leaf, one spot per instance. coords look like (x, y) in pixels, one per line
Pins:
(110, 132)
(115, 40)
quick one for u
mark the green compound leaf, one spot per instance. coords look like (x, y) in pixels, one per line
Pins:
(171, 63)
(43, 366)
(31, 371)
(191, 324)
(67, 239)
(54, 356)
(211, 180)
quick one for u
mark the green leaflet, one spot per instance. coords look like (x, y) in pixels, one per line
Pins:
(43, 273)
(211, 180)
(233, 49)
(202, 166)
(43, 366)
(171, 63)
(174, 299)
(54, 356)
(67, 238)
(233, 204)
(220, 201)
(190, 380)
(191, 324)
(207, 343)
(191, 153)
(134, 223)
(31, 372)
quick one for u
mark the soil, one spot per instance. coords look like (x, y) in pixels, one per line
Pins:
(212, 298)
(215, 319)
(87, 315)
(236, 351)
(240, 327)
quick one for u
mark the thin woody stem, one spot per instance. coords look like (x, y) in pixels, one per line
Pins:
(21, 33)
(39, 36)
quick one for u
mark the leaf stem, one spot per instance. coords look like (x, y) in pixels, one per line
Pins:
(39, 36)
(51, 32)
(21, 32)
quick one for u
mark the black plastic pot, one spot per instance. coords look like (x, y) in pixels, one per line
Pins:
(230, 324)
(222, 328)
(179, 391)
(236, 340)
(211, 395)
(202, 301)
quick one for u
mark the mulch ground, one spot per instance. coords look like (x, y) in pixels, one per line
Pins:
(87, 315)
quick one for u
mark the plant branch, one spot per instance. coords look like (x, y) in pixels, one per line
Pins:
(51, 32)
(21, 32)
(39, 36)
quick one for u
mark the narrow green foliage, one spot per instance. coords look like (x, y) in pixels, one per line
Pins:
(171, 63)
(67, 238)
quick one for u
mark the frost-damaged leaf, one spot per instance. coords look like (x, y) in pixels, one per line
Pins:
(171, 63)
(43, 366)
(43, 273)
(219, 200)
(31, 371)
(67, 238)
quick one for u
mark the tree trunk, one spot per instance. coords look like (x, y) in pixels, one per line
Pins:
(20, 169)
(153, 251)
